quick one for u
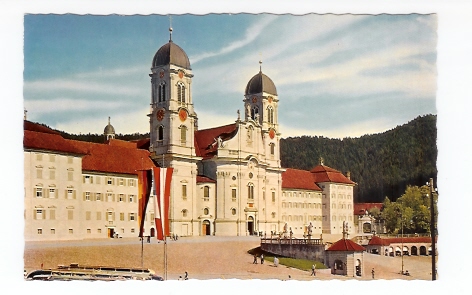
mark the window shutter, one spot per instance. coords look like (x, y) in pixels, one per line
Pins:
(45, 193)
(84, 195)
(113, 181)
(113, 215)
(44, 214)
(65, 194)
(83, 179)
(113, 197)
(34, 192)
(34, 213)
(91, 179)
(135, 198)
(93, 197)
(73, 194)
(129, 216)
(106, 215)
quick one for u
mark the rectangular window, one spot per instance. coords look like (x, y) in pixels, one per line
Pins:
(52, 158)
(108, 197)
(206, 193)
(87, 196)
(132, 217)
(70, 175)
(71, 231)
(250, 192)
(273, 197)
(99, 215)
(132, 230)
(87, 215)
(88, 179)
(70, 160)
(109, 180)
(53, 231)
(39, 173)
(184, 191)
(99, 230)
(98, 196)
(70, 214)
(40, 231)
(39, 157)
(89, 231)
(131, 182)
(52, 174)
(40, 214)
(70, 194)
(39, 192)
(233, 195)
(122, 216)
(122, 181)
(52, 214)
(131, 198)
(121, 198)
(52, 193)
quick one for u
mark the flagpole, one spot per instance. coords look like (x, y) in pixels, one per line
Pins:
(165, 257)
(142, 251)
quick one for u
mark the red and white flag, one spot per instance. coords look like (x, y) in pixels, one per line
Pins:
(144, 191)
(162, 180)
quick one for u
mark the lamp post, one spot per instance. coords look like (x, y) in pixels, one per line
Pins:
(399, 211)
(433, 231)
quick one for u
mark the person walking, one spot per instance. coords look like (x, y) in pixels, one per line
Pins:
(373, 273)
(255, 259)
(276, 261)
(313, 273)
(186, 276)
(262, 258)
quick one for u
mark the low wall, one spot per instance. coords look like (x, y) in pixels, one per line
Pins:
(312, 249)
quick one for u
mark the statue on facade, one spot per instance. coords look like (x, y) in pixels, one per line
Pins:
(310, 230)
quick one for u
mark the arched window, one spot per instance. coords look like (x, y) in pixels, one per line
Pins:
(160, 133)
(250, 191)
(206, 193)
(184, 213)
(206, 211)
(270, 115)
(249, 133)
(162, 92)
(273, 214)
(254, 112)
(272, 148)
(183, 134)
(181, 92)
(233, 211)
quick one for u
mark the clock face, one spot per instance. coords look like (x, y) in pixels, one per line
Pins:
(254, 99)
(181, 74)
(272, 133)
(183, 115)
(161, 74)
(160, 114)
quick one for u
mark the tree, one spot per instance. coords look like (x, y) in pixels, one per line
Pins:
(411, 211)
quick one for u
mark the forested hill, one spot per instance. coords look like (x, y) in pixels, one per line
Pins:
(381, 164)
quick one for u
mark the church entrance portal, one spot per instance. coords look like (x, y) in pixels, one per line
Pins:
(153, 232)
(111, 232)
(250, 225)
(205, 228)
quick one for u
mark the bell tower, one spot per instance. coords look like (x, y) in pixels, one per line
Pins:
(172, 117)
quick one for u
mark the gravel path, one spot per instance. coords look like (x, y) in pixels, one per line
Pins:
(202, 258)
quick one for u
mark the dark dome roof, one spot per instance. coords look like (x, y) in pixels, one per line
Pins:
(109, 129)
(171, 53)
(260, 83)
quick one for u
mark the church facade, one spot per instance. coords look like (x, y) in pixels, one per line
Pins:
(227, 181)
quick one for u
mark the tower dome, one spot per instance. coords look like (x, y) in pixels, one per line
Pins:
(260, 83)
(171, 53)
(109, 130)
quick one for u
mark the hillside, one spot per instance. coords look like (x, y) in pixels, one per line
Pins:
(381, 164)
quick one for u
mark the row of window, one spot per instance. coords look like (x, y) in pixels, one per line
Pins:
(301, 205)
(52, 231)
(183, 133)
(300, 218)
(341, 196)
(70, 194)
(40, 214)
(90, 179)
(301, 195)
(341, 206)
(52, 173)
(52, 158)
(161, 94)
(270, 114)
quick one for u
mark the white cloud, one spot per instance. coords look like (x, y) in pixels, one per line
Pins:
(80, 86)
(57, 105)
(113, 73)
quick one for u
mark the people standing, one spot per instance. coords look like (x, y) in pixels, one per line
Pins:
(255, 259)
(186, 276)
(373, 273)
(262, 258)
(276, 261)
(313, 267)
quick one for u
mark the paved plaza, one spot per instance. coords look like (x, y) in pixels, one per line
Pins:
(203, 258)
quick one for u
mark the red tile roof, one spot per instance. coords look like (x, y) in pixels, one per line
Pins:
(326, 174)
(346, 245)
(113, 158)
(377, 241)
(122, 143)
(360, 208)
(49, 142)
(203, 179)
(205, 140)
(299, 179)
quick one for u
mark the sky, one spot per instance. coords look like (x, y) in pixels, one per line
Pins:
(336, 75)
